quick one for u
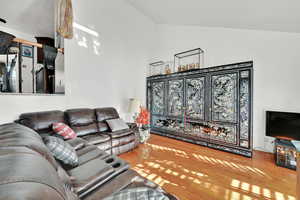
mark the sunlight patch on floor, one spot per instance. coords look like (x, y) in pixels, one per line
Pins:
(169, 167)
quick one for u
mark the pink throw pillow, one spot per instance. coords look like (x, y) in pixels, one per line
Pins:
(64, 130)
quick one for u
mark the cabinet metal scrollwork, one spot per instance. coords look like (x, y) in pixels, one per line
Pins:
(210, 107)
(158, 98)
(175, 97)
(195, 97)
(224, 97)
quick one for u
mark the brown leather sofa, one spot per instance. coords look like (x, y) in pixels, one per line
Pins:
(28, 171)
(89, 124)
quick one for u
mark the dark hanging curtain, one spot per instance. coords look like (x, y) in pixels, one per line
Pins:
(50, 54)
(5, 41)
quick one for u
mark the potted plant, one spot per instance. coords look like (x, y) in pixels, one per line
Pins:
(143, 122)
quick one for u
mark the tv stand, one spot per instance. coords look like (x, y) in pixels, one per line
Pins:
(285, 153)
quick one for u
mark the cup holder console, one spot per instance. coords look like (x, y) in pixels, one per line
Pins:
(113, 164)
(116, 165)
(109, 160)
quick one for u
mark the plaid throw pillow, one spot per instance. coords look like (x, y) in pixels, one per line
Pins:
(61, 150)
(64, 130)
(139, 193)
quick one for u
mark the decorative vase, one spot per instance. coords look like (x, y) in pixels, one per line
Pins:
(144, 134)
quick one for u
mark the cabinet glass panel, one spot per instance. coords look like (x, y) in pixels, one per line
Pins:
(224, 92)
(223, 133)
(175, 125)
(158, 89)
(175, 97)
(196, 129)
(195, 97)
(244, 110)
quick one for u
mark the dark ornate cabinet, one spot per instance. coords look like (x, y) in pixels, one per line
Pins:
(211, 106)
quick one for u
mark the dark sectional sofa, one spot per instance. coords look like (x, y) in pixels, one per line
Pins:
(29, 171)
(89, 124)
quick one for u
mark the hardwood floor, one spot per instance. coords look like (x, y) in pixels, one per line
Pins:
(193, 172)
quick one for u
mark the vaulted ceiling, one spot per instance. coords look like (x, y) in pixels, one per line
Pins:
(34, 17)
(275, 15)
(37, 16)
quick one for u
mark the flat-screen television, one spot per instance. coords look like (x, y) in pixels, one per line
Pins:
(283, 125)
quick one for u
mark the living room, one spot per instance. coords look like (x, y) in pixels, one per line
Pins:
(107, 63)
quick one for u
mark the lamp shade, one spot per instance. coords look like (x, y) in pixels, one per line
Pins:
(134, 105)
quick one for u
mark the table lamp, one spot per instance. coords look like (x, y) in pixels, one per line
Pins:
(134, 107)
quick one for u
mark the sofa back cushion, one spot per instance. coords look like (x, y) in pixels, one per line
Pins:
(16, 135)
(41, 122)
(103, 114)
(82, 121)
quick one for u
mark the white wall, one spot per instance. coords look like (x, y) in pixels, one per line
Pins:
(107, 66)
(275, 56)
(96, 77)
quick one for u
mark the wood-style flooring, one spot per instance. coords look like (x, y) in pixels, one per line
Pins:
(193, 172)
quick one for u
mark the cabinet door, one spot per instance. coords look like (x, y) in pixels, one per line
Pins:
(175, 97)
(195, 91)
(224, 97)
(158, 98)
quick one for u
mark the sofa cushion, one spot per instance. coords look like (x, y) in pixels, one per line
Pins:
(117, 124)
(90, 152)
(105, 146)
(77, 143)
(41, 121)
(96, 138)
(64, 130)
(61, 150)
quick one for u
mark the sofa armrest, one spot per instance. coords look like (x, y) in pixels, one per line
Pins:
(132, 126)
